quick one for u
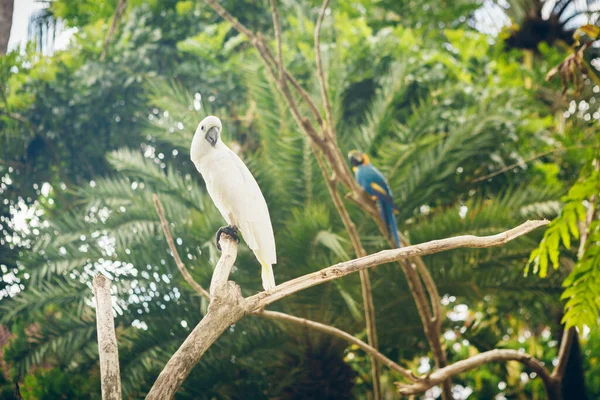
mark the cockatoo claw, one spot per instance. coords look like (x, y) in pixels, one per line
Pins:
(228, 230)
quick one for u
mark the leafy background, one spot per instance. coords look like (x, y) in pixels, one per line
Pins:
(439, 94)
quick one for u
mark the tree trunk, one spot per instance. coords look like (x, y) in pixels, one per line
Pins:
(573, 383)
(6, 16)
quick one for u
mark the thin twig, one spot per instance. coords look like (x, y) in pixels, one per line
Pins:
(431, 320)
(517, 164)
(184, 272)
(118, 12)
(431, 325)
(277, 29)
(301, 91)
(330, 151)
(321, 74)
(419, 279)
(261, 47)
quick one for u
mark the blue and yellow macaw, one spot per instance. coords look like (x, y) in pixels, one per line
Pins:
(376, 185)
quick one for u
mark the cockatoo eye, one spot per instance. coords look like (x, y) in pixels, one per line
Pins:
(202, 128)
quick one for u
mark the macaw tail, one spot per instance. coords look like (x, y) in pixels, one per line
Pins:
(268, 279)
(387, 214)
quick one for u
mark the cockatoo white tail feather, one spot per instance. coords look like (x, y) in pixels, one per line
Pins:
(235, 193)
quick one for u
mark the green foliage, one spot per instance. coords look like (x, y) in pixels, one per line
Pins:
(582, 289)
(57, 384)
(566, 225)
(581, 286)
(436, 105)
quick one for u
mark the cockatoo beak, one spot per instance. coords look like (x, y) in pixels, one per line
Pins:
(212, 135)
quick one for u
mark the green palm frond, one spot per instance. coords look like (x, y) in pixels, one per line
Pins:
(68, 340)
(57, 291)
(136, 166)
(175, 113)
(381, 118)
(286, 152)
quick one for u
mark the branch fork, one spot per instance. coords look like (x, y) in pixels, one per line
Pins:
(227, 305)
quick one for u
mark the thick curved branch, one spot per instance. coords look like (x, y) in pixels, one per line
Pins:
(225, 308)
(473, 362)
(563, 353)
(263, 299)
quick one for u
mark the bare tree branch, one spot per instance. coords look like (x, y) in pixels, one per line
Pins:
(431, 324)
(342, 335)
(265, 298)
(335, 158)
(473, 362)
(261, 47)
(184, 272)
(330, 150)
(107, 340)
(228, 306)
(222, 270)
(301, 91)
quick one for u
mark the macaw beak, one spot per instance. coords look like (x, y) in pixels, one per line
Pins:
(355, 158)
(212, 135)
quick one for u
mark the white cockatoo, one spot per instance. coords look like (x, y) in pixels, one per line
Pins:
(236, 194)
